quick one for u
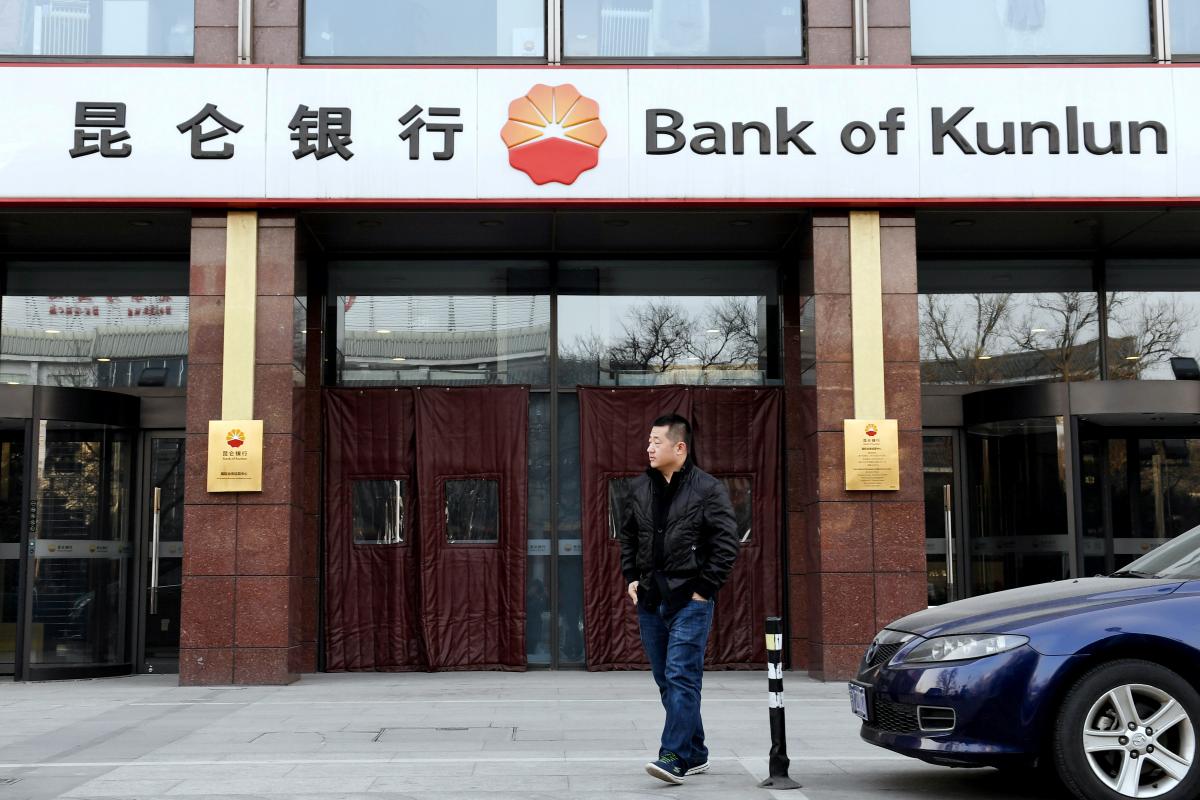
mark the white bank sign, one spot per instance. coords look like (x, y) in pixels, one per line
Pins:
(280, 135)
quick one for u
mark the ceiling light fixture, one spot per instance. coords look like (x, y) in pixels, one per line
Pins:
(399, 358)
(52, 330)
(104, 360)
(985, 358)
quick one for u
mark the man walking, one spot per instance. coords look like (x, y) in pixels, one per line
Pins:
(678, 545)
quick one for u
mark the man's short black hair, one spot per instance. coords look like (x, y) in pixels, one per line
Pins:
(678, 428)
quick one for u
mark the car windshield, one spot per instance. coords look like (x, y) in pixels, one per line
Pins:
(1178, 558)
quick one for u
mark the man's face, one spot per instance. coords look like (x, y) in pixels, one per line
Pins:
(664, 453)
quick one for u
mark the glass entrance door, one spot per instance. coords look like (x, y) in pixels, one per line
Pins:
(79, 573)
(1140, 488)
(1017, 498)
(943, 531)
(66, 550)
(12, 484)
(162, 542)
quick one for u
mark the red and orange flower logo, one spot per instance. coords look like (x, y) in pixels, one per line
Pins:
(235, 438)
(872, 429)
(553, 134)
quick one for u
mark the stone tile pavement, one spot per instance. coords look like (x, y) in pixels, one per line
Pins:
(450, 736)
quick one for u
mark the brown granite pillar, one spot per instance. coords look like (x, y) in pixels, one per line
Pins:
(245, 559)
(799, 374)
(856, 558)
(277, 31)
(888, 32)
(275, 39)
(308, 399)
(216, 32)
(830, 29)
(898, 518)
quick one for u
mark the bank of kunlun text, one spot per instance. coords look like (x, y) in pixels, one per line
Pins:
(950, 132)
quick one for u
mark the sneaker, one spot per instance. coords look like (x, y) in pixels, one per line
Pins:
(696, 770)
(669, 767)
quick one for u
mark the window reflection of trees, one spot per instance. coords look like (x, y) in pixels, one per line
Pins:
(663, 341)
(1145, 330)
(71, 490)
(984, 338)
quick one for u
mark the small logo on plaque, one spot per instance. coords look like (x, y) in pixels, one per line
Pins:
(872, 430)
(235, 438)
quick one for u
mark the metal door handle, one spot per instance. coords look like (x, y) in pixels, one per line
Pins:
(154, 550)
(948, 510)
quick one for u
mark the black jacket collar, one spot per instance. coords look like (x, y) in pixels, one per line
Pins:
(659, 482)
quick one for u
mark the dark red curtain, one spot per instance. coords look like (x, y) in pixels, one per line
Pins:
(737, 438)
(473, 440)
(372, 592)
(613, 426)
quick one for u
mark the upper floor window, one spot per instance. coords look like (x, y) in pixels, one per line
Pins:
(97, 28)
(683, 29)
(1185, 28)
(425, 29)
(1031, 29)
(508, 30)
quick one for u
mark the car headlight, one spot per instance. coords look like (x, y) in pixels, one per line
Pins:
(961, 648)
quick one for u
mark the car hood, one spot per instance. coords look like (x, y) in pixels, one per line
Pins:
(1009, 611)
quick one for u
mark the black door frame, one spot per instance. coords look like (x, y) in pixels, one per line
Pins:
(958, 494)
(38, 405)
(142, 526)
(1104, 433)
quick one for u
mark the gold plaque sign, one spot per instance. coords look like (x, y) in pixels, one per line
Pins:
(235, 455)
(872, 455)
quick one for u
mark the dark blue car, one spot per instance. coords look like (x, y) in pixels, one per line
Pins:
(1096, 678)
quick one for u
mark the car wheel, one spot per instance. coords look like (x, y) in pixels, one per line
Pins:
(1128, 729)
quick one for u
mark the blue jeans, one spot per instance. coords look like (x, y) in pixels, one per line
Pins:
(675, 642)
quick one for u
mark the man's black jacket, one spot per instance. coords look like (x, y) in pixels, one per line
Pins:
(700, 540)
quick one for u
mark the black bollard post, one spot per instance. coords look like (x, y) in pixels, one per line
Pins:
(778, 760)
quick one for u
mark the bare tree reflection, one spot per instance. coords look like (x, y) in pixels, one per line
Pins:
(655, 335)
(1154, 326)
(1056, 326)
(660, 335)
(729, 335)
(960, 344)
(999, 337)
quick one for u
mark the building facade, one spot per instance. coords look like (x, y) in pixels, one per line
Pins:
(455, 256)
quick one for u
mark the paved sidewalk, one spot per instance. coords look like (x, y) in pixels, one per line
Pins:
(451, 736)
